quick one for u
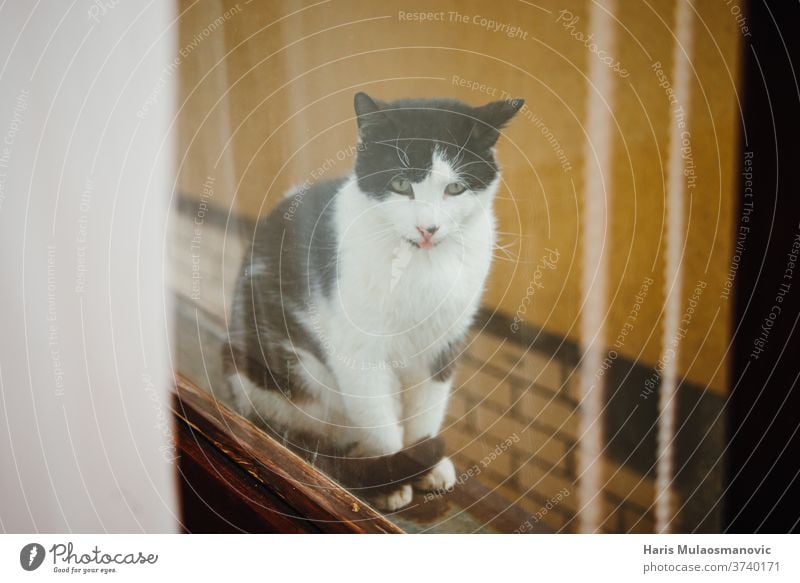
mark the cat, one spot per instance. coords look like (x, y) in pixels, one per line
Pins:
(358, 293)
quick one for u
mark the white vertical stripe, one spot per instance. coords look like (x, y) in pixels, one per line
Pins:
(225, 173)
(84, 351)
(594, 282)
(673, 272)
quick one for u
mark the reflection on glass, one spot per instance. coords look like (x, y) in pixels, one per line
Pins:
(357, 275)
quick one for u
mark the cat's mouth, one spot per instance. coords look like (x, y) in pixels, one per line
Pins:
(425, 244)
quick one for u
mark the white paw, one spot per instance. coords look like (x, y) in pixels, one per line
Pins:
(441, 477)
(394, 499)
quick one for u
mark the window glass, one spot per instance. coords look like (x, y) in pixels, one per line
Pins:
(433, 250)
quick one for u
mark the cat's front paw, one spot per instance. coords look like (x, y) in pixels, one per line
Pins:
(393, 499)
(442, 476)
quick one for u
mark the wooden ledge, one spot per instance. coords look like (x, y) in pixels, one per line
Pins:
(277, 490)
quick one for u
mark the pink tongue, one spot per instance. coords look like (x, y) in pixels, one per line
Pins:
(425, 244)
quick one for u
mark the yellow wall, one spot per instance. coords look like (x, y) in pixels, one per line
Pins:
(284, 93)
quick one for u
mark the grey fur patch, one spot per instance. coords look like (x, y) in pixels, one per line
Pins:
(445, 362)
(293, 256)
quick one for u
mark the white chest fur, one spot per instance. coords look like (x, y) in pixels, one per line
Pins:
(407, 302)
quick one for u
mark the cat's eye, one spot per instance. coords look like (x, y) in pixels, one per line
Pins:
(402, 186)
(455, 188)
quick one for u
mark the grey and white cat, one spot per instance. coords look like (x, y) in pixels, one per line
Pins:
(355, 298)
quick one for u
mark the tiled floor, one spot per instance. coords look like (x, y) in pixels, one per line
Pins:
(511, 424)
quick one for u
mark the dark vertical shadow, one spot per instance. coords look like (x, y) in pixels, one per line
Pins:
(765, 403)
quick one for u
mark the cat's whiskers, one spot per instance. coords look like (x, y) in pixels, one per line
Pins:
(505, 246)
(517, 235)
(460, 154)
(404, 160)
(505, 253)
(506, 256)
(481, 161)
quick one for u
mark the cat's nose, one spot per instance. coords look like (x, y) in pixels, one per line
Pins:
(429, 231)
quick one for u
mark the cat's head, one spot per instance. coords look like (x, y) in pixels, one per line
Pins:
(429, 162)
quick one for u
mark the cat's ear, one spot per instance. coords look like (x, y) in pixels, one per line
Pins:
(370, 116)
(493, 117)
